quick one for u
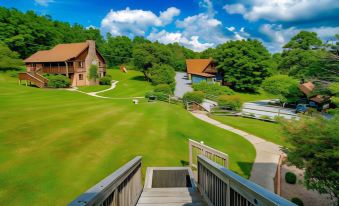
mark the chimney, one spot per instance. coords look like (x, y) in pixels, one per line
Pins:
(91, 48)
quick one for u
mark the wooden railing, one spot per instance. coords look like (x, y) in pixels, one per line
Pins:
(222, 187)
(121, 188)
(31, 78)
(57, 70)
(196, 148)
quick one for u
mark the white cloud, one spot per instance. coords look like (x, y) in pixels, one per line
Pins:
(43, 2)
(167, 16)
(284, 10)
(279, 36)
(171, 37)
(207, 28)
(136, 22)
(238, 35)
(91, 27)
(209, 7)
(235, 8)
(232, 28)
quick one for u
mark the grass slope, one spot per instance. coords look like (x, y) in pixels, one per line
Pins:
(131, 84)
(266, 130)
(55, 144)
(94, 88)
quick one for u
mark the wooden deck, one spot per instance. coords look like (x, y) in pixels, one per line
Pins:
(170, 197)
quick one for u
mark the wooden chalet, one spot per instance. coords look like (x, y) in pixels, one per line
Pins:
(199, 70)
(72, 60)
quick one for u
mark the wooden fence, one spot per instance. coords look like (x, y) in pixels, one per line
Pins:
(196, 148)
(121, 188)
(222, 187)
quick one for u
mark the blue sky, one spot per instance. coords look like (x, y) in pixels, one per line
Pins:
(196, 24)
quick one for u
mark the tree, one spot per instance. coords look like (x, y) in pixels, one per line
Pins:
(285, 87)
(8, 58)
(245, 63)
(304, 40)
(117, 50)
(93, 72)
(314, 148)
(147, 55)
(162, 74)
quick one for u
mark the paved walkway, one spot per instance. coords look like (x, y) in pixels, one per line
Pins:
(183, 85)
(95, 94)
(267, 154)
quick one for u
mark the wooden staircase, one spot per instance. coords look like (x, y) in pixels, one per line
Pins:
(33, 77)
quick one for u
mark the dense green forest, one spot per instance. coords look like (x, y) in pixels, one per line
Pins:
(245, 63)
(28, 32)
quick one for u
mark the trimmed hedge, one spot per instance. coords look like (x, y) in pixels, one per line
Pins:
(232, 102)
(106, 80)
(157, 95)
(212, 89)
(297, 201)
(290, 178)
(164, 88)
(58, 81)
(196, 96)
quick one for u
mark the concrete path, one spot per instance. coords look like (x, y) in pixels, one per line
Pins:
(267, 154)
(183, 85)
(95, 94)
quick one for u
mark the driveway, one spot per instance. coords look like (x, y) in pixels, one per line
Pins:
(183, 85)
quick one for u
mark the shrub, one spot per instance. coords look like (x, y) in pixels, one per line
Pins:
(196, 96)
(58, 81)
(162, 74)
(106, 80)
(164, 88)
(265, 117)
(297, 201)
(93, 72)
(290, 178)
(157, 95)
(285, 87)
(212, 89)
(232, 102)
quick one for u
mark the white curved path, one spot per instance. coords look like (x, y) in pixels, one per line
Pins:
(267, 154)
(95, 94)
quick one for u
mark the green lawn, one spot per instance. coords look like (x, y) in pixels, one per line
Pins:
(266, 130)
(261, 95)
(131, 84)
(94, 88)
(55, 144)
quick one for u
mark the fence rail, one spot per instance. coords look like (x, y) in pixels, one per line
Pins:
(221, 187)
(196, 148)
(121, 188)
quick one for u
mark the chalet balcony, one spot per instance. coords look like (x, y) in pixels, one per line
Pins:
(57, 70)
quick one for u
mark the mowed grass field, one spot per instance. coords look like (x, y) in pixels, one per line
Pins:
(131, 84)
(267, 130)
(55, 144)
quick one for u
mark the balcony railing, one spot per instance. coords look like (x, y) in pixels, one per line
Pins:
(57, 70)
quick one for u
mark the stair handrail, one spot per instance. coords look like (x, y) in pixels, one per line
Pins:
(220, 186)
(122, 187)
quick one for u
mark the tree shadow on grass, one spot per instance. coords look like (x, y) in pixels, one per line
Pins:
(138, 78)
(245, 167)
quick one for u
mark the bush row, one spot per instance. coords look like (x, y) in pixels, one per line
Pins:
(212, 89)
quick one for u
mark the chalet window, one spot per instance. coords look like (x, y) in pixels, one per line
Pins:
(33, 65)
(99, 64)
(81, 64)
(81, 76)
